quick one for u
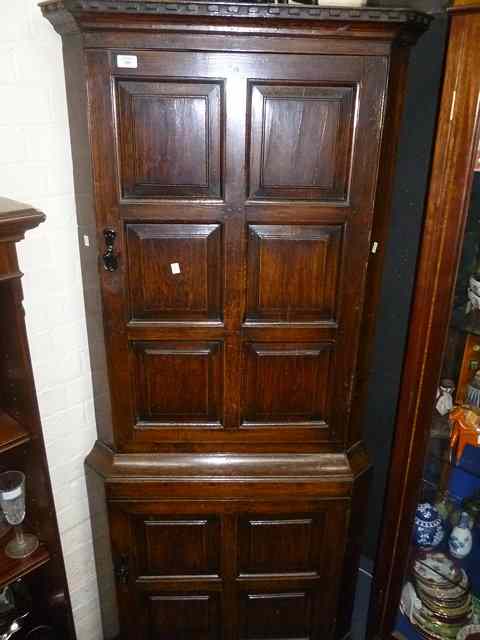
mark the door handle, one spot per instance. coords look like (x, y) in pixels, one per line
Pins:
(122, 569)
(110, 259)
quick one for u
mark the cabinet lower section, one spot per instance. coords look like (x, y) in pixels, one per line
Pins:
(223, 546)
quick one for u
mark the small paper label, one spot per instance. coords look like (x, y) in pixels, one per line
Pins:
(86, 241)
(127, 62)
(175, 267)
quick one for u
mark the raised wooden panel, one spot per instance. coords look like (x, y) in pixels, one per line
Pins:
(287, 383)
(186, 616)
(175, 271)
(177, 546)
(276, 615)
(169, 138)
(280, 545)
(301, 141)
(178, 383)
(293, 272)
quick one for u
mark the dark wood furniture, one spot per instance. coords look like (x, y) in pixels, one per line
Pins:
(21, 440)
(233, 168)
(431, 334)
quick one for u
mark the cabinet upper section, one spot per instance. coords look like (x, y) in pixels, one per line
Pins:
(234, 159)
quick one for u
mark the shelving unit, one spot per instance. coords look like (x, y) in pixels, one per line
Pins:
(443, 344)
(21, 440)
(12, 433)
(11, 570)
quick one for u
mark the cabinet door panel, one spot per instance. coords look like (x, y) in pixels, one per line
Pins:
(281, 545)
(288, 383)
(276, 615)
(178, 382)
(293, 272)
(246, 190)
(182, 616)
(177, 546)
(169, 139)
(301, 138)
(175, 271)
(257, 567)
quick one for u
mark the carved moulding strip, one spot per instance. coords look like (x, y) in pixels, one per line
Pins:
(154, 7)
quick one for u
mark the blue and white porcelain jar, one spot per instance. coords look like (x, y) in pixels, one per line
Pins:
(428, 529)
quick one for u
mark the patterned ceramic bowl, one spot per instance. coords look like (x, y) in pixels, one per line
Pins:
(470, 632)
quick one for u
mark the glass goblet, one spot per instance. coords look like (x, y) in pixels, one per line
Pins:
(12, 501)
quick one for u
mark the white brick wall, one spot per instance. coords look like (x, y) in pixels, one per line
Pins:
(36, 167)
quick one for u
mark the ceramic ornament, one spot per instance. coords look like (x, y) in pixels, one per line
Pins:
(428, 528)
(444, 403)
(460, 542)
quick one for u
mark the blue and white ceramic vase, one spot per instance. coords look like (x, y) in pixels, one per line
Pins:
(428, 529)
(460, 542)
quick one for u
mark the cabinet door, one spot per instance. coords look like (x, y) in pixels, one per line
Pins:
(241, 188)
(236, 571)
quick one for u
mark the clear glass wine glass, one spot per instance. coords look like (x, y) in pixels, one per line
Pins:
(12, 501)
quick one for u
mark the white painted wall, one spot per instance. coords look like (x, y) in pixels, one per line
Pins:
(36, 167)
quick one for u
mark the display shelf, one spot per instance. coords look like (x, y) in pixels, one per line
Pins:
(471, 566)
(22, 447)
(12, 433)
(430, 492)
(11, 570)
(458, 478)
(441, 367)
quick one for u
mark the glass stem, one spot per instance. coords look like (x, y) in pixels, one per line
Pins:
(19, 535)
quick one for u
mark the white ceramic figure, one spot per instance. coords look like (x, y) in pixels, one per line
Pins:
(460, 542)
(473, 293)
(444, 402)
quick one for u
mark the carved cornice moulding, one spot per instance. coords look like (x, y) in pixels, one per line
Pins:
(65, 15)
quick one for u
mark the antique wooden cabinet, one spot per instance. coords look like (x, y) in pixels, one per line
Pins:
(233, 166)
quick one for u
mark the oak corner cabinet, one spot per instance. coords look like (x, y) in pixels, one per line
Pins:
(233, 168)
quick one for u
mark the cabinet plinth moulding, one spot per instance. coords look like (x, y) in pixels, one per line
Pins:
(242, 155)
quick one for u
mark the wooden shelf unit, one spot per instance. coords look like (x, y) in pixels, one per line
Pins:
(11, 570)
(12, 433)
(21, 439)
